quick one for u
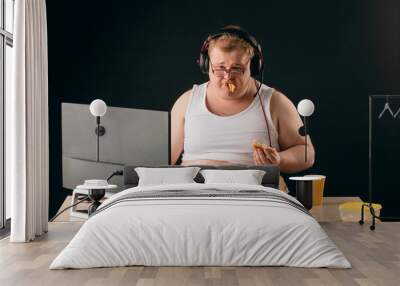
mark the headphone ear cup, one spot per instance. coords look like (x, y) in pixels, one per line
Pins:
(203, 62)
(255, 66)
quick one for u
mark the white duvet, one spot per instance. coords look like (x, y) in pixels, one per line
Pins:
(200, 231)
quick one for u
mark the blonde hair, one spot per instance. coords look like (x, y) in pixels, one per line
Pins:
(230, 42)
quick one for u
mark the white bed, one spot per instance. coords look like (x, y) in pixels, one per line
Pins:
(184, 230)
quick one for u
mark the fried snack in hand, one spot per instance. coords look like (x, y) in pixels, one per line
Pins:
(231, 87)
(255, 145)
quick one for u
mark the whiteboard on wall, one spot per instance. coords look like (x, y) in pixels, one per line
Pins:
(132, 137)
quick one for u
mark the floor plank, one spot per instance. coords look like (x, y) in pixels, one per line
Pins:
(375, 257)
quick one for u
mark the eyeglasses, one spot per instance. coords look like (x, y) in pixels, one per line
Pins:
(219, 71)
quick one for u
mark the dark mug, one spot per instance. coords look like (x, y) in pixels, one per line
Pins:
(304, 193)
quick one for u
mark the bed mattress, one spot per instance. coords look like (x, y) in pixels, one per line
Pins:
(201, 225)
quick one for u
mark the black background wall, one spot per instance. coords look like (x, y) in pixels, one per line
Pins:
(142, 55)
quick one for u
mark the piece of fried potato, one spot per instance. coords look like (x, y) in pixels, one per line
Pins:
(231, 87)
(255, 145)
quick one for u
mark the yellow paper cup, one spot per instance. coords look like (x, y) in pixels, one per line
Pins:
(351, 211)
(318, 189)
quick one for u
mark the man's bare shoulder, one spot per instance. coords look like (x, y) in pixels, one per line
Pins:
(181, 103)
(280, 104)
(279, 100)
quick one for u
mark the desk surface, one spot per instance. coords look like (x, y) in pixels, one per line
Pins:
(328, 212)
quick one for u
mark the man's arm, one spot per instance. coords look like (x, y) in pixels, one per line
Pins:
(292, 144)
(177, 125)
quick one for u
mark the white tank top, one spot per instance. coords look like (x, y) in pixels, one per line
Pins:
(228, 138)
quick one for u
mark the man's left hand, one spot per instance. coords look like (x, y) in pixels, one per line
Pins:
(266, 156)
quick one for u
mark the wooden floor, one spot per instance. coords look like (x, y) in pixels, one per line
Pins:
(375, 256)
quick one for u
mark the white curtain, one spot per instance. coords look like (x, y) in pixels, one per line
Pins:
(27, 124)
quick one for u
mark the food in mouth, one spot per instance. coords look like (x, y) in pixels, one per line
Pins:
(231, 87)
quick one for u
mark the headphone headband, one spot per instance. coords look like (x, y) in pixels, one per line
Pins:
(240, 33)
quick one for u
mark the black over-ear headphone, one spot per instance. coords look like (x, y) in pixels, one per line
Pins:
(257, 62)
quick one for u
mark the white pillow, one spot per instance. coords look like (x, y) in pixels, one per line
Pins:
(249, 177)
(162, 176)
